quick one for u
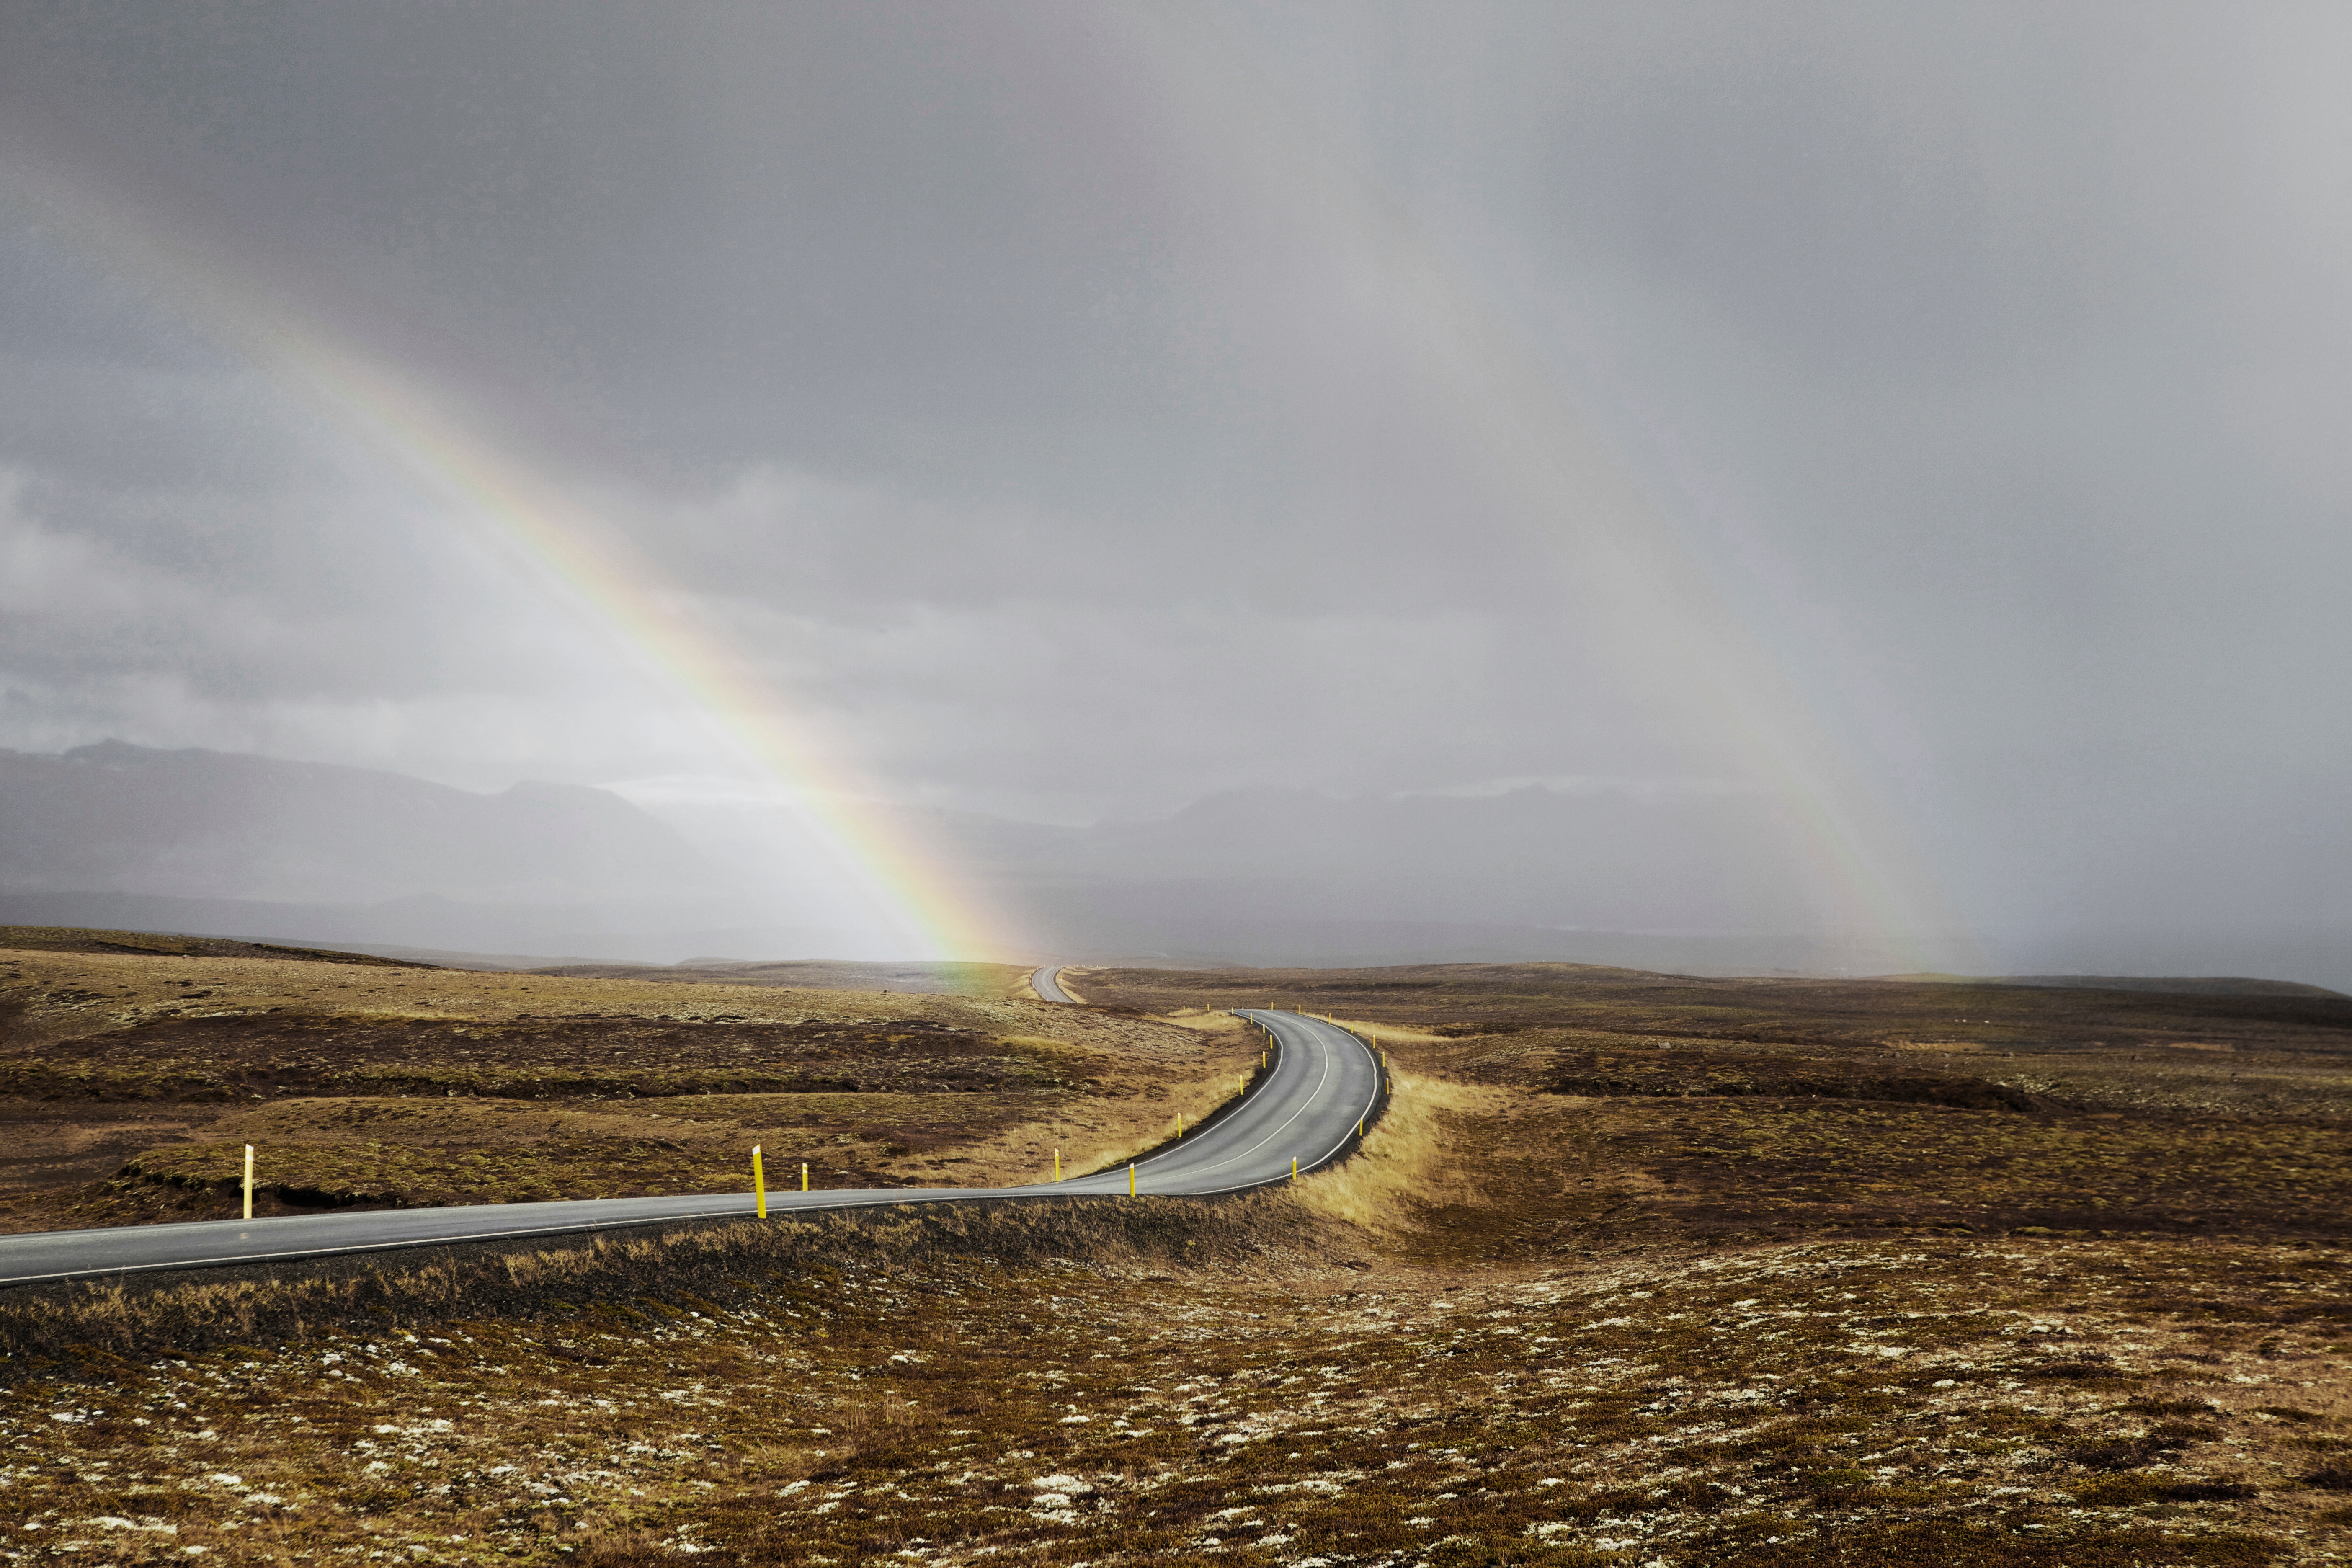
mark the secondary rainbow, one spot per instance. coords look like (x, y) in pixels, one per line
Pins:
(1575, 499)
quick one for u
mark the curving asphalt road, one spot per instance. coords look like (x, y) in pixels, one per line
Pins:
(1307, 1107)
(1048, 984)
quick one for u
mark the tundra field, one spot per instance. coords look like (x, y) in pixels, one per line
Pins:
(1637, 1269)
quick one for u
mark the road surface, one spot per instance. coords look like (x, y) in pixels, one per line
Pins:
(1322, 1081)
(1048, 984)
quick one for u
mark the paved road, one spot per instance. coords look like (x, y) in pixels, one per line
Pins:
(1305, 1108)
(1048, 984)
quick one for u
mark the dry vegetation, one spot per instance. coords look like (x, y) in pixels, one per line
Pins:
(1634, 1272)
(131, 1081)
(985, 980)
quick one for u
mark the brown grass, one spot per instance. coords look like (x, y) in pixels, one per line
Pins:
(997, 982)
(129, 1081)
(155, 944)
(89, 1326)
(1601, 1288)
(1075, 1384)
(1412, 1161)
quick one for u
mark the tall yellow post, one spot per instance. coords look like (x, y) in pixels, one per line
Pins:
(248, 1181)
(1057, 1164)
(1180, 1124)
(803, 1175)
(1130, 1181)
(1294, 1167)
(759, 1181)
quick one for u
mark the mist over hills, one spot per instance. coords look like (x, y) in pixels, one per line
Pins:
(1275, 876)
(222, 843)
(1288, 876)
(129, 836)
(120, 835)
(1599, 858)
(117, 818)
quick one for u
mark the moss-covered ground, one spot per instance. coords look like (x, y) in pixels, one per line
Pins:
(1612, 1283)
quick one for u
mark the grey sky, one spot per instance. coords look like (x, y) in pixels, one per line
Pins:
(1043, 396)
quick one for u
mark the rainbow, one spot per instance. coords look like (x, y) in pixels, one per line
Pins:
(456, 450)
(911, 885)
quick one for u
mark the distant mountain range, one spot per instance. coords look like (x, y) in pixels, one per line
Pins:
(195, 841)
(124, 835)
(118, 818)
(128, 836)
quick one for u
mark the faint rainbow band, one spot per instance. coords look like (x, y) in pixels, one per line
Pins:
(450, 445)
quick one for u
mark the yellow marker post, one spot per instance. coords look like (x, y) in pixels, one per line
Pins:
(1294, 1167)
(759, 1181)
(1130, 1181)
(1360, 1127)
(1180, 1124)
(803, 1175)
(1057, 1164)
(248, 1181)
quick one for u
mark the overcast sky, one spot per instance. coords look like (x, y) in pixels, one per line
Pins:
(1072, 411)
